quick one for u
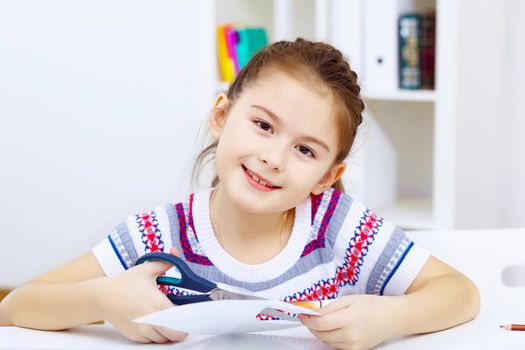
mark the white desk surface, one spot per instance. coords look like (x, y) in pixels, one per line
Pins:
(481, 334)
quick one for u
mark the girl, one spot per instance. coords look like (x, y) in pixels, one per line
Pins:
(276, 223)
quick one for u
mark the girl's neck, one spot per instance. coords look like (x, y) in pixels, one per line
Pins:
(237, 230)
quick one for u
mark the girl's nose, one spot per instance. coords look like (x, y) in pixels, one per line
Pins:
(273, 159)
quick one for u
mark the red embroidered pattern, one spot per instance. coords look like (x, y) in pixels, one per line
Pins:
(185, 244)
(347, 273)
(151, 237)
(324, 289)
(363, 236)
(319, 241)
(265, 317)
(315, 200)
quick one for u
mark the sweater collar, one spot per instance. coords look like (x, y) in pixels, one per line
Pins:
(272, 268)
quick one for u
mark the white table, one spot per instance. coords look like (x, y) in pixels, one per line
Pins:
(481, 334)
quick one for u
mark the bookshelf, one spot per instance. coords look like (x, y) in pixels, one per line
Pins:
(400, 95)
(283, 19)
(417, 162)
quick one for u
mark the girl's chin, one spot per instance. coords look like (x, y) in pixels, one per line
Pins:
(249, 202)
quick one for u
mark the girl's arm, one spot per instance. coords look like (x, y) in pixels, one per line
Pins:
(69, 294)
(440, 297)
(79, 293)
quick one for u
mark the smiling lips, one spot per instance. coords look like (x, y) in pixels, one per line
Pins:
(258, 181)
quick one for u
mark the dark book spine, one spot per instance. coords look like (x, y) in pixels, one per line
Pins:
(428, 49)
(409, 51)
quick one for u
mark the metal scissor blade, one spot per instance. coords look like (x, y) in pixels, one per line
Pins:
(279, 314)
(221, 294)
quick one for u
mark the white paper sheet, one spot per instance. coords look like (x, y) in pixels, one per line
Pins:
(223, 316)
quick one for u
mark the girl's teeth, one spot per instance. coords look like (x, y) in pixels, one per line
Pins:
(258, 180)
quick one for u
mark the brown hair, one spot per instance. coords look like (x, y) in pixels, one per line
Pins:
(320, 61)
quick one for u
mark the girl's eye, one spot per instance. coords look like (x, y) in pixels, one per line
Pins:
(263, 125)
(304, 150)
(267, 127)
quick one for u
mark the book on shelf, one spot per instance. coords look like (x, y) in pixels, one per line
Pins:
(226, 68)
(428, 49)
(236, 45)
(416, 50)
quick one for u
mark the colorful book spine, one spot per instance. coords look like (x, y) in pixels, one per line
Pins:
(231, 44)
(258, 40)
(236, 46)
(226, 65)
(428, 49)
(409, 51)
(243, 46)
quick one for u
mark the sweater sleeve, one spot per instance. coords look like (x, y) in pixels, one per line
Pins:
(140, 234)
(374, 256)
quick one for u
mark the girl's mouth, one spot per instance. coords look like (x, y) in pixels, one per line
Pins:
(257, 182)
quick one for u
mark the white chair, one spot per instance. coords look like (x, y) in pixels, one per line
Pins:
(493, 258)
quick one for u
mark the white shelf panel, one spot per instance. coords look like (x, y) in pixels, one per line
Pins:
(400, 95)
(410, 213)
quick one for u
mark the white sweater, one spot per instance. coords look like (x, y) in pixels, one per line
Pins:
(337, 247)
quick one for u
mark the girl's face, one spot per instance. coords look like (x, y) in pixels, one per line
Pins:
(285, 132)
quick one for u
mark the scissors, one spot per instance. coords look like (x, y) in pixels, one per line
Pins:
(190, 280)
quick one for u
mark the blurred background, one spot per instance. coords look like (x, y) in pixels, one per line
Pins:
(101, 103)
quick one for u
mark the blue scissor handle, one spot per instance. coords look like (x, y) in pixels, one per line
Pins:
(188, 299)
(188, 280)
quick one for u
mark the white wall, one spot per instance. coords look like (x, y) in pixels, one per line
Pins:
(514, 92)
(479, 164)
(99, 106)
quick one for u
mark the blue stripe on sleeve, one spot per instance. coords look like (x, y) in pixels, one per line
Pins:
(397, 266)
(117, 253)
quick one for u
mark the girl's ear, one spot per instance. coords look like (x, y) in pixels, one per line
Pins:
(218, 116)
(331, 176)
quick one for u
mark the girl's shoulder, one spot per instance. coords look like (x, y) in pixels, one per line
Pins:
(334, 204)
(343, 218)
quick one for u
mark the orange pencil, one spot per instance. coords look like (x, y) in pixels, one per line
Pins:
(513, 327)
(309, 304)
(313, 304)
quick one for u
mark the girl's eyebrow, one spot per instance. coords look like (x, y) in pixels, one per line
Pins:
(279, 121)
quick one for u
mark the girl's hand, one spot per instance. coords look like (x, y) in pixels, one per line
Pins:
(353, 322)
(134, 293)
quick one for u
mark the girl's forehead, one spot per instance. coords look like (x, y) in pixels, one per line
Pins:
(304, 80)
(287, 92)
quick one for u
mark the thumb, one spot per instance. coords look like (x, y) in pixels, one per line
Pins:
(338, 304)
(155, 268)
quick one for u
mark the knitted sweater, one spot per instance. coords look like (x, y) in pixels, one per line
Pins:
(337, 247)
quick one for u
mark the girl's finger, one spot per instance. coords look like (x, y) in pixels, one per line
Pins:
(338, 304)
(140, 339)
(171, 334)
(151, 333)
(330, 337)
(331, 321)
(154, 268)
